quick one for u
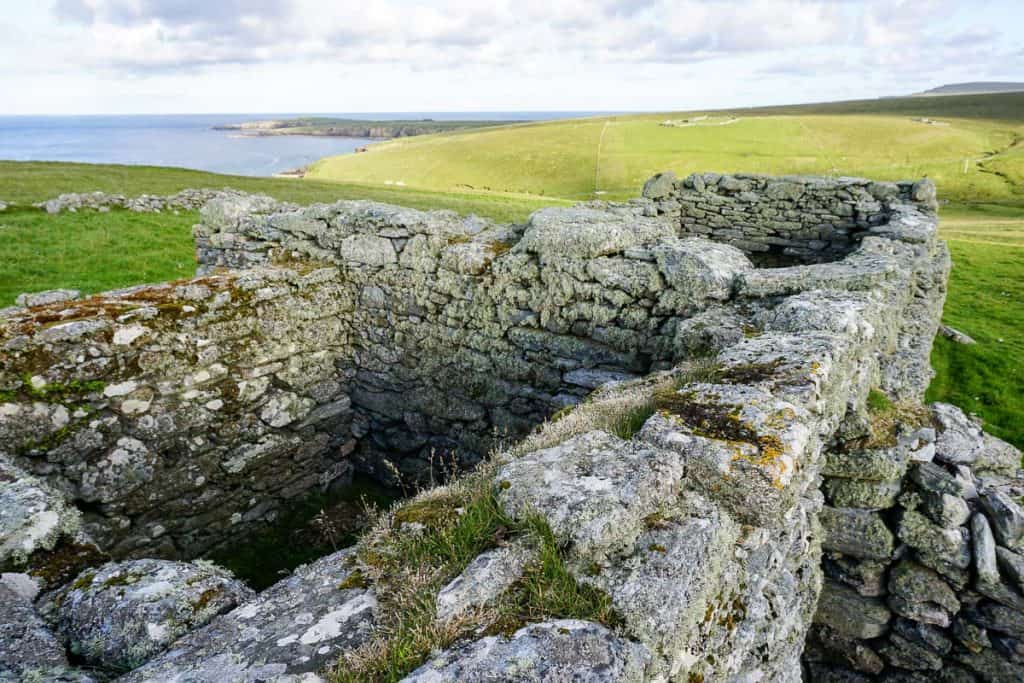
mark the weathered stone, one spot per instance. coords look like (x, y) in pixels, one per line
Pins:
(918, 584)
(959, 440)
(673, 573)
(579, 233)
(1006, 517)
(867, 577)
(483, 580)
(940, 548)
(984, 547)
(46, 298)
(32, 516)
(28, 650)
(850, 614)
(858, 533)
(825, 645)
(563, 650)
(296, 626)
(869, 465)
(707, 333)
(991, 666)
(739, 443)
(1012, 566)
(119, 616)
(601, 511)
(928, 636)
(905, 654)
(660, 185)
(997, 457)
(955, 335)
(853, 493)
(699, 269)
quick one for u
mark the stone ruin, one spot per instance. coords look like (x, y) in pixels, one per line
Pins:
(813, 520)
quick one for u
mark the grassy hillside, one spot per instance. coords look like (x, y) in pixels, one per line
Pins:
(972, 149)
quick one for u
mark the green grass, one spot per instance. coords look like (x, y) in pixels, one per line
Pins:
(407, 567)
(27, 182)
(986, 301)
(975, 154)
(94, 252)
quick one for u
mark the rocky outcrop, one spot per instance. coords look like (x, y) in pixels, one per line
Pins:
(28, 649)
(555, 651)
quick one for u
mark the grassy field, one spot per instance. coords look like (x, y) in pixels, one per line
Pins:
(94, 252)
(506, 173)
(972, 149)
(986, 300)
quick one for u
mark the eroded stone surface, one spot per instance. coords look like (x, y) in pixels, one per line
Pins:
(296, 626)
(563, 650)
(32, 516)
(594, 490)
(118, 616)
(29, 651)
(483, 580)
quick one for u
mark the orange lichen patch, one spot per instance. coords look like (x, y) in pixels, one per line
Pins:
(163, 297)
(723, 422)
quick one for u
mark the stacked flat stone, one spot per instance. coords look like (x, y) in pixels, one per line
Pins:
(919, 581)
(783, 219)
(185, 200)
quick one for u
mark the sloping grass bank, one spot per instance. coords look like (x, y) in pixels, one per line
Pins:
(986, 301)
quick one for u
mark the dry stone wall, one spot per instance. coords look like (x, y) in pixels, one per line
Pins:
(161, 421)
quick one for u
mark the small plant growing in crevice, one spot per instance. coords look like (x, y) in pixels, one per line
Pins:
(407, 566)
(886, 418)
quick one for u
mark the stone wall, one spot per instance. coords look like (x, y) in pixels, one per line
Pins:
(403, 343)
(922, 558)
(784, 219)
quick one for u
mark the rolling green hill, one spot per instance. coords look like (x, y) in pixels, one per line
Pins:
(969, 145)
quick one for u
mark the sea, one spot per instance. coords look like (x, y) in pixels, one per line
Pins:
(189, 141)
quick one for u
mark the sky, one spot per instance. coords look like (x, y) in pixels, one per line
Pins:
(235, 56)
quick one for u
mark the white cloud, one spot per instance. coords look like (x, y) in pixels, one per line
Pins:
(556, 54)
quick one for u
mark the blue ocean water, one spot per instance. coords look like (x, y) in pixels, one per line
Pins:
(188, 140)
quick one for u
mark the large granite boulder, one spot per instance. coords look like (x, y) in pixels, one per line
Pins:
(119, 616)
(297, 626)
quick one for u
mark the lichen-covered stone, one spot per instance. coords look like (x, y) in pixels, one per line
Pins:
(483, 580)
(1006, 516)
(29, 651)
(850, 614)
(296, 626)
(33, 516)
(672, 577)
(580, 233)
(594, 490)
(51, 296)
(563, 650)
(118, 616)
(858, 533)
